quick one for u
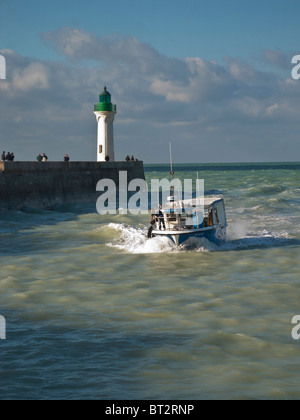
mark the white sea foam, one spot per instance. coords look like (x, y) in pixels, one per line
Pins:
(264, 239)
(134, 240)
(237, 230)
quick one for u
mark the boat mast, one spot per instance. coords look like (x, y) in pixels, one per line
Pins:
(171, 159)
(172, 173)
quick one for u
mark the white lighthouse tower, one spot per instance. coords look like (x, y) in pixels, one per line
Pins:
(105, 114)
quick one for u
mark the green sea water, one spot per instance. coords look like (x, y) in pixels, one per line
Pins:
(94, 310)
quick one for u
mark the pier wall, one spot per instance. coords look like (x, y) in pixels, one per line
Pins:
(46, 184)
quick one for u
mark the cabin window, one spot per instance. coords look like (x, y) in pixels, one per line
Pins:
(210, 218)
(100, 149)
(217, 216)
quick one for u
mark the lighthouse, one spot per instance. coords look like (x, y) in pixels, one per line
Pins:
(105, 114)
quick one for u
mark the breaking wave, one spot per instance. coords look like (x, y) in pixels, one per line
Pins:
(266, 190)
(133, 240)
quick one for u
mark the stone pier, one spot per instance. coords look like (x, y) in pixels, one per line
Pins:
(46, 184)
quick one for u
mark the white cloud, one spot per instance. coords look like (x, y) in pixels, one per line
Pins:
(35, 76)
(206, 80)
(170, 91)
(272, 109)
(277, 57)
(158, 98)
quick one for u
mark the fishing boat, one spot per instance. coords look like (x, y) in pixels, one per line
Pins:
(180, 220)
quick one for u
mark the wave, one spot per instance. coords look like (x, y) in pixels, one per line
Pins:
(134, 240)
(261, 241)
(265, 190)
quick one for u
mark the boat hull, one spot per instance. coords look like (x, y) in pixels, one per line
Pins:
(215, 235)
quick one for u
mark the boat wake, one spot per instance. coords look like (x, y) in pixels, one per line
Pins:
(133, 240)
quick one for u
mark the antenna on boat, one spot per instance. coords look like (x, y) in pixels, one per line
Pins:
(197, 187)
(171, 159)
(172, 173)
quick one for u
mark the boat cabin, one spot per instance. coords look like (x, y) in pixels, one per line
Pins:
(188, 214)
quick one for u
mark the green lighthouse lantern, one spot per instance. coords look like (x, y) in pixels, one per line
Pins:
(105, 102)
(105, 113)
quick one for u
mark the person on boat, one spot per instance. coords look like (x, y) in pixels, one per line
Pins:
(160, 219)
(45, 158)
(152, 224)
(66, 158)
(3, 157)
(156, 217)
(39, 158)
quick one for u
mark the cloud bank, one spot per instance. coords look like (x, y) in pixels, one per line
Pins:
(212, 112)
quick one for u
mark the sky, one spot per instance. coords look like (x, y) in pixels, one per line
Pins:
(212, 77)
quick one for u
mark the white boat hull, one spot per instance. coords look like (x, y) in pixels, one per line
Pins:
(215, 234)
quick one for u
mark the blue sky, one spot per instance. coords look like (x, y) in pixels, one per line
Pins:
(208, 29)
(215, 75)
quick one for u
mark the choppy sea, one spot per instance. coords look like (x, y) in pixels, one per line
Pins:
(94, 310)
